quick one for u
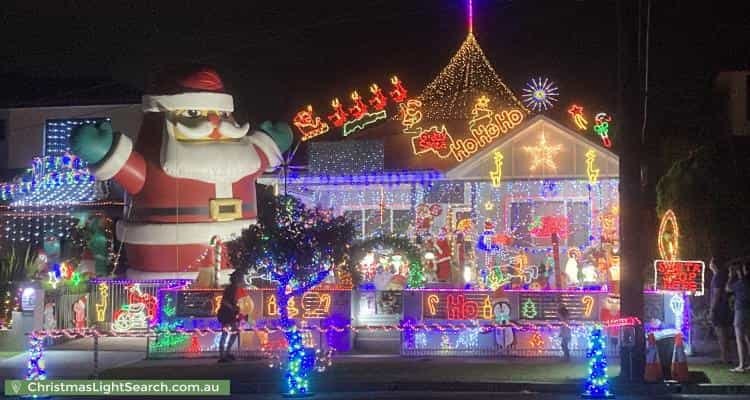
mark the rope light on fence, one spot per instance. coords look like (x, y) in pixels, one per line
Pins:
(91, 332)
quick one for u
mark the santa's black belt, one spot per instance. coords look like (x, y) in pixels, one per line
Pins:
(172, 211)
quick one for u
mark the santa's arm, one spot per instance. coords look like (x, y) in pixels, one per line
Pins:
(110, 156)
(272, 140)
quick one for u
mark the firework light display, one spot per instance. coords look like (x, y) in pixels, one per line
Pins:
(540, 94)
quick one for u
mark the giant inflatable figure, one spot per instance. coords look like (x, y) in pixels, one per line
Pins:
(190, 175)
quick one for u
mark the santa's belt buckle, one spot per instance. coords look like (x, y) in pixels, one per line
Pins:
(225, 209)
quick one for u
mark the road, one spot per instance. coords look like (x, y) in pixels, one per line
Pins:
(455, 395)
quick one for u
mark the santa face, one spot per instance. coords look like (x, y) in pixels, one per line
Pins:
(204, 125)
(208, 146)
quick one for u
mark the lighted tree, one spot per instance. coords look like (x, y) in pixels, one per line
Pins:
(528, 309)
(596, 384)
(298, 247)
(35, 369)
(469, 74)
(416, 277)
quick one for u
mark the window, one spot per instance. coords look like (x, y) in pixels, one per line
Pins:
(57, 133)
(533, 222)
(446, 193)
(371, 222)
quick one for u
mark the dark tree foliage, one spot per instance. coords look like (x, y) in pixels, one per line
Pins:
(709, 193)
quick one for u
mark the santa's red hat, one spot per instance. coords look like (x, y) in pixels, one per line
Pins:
(499, 295)
(189, 88)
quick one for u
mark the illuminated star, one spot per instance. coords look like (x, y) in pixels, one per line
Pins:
(543, 154)
(575, 110)
(540, 94)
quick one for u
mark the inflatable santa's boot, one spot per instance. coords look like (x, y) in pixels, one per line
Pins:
(190, 175)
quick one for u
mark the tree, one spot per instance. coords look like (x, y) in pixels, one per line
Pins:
(298, 248)
(707, 192)
(596, 384)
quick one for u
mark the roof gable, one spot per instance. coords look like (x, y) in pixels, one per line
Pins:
(563, 154)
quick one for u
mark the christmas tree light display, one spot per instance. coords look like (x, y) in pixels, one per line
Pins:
(35, 368)
(451, 95)
(299, 247)
(528, 309)
(596, 384)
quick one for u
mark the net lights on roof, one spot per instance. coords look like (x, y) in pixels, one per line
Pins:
(468, 74)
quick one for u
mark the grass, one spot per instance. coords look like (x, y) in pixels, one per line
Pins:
(375, 371)
(720, 374)
(404, 370)
(9, 354)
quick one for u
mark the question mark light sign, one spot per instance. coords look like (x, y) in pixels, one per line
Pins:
(588, 305)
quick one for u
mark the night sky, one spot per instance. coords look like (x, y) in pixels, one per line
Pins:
(278, 56)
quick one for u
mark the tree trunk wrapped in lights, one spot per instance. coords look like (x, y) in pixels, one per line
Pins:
(298, 248)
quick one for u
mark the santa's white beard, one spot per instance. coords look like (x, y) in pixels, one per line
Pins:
(212, 162)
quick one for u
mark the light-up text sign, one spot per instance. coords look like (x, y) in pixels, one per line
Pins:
(457, 305)
(316, 304)
(485, 125)
(679, 276)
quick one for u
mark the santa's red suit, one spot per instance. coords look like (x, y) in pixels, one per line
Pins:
(443, 258)
(184, 184)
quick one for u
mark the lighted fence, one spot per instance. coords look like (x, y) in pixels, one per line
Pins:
(125, 305)
(503, 341)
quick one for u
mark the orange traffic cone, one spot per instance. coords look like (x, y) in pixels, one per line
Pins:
(653, 364)
(679, 360)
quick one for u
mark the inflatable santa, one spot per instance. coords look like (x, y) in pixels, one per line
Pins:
(190, 175)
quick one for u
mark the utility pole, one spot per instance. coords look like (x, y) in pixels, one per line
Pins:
(631, 73)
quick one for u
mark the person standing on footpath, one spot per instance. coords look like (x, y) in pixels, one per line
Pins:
(719, 313)
(738, 284)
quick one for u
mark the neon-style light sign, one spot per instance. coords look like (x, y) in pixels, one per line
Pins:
(601, 127)
(101, 307)
(536, 341)
(679, 276)
(139, 313)
(593, 173)
(432, 302)
(309, 124)
(539, 94)
(378, 100)
(358, 116)
(433, 139)
(398, 94)
(487, 308)
(485, 126)
(497, 174)
(588, 305)
(677, 305)
(669, 243)
(312, 305)
(576, 112)
(363, 121)
(543, 154)
(670, 273)
(460, 308)
(528, 309)
(358, 109)
(339, 116)
(411, 114)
